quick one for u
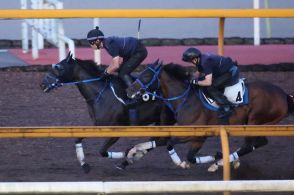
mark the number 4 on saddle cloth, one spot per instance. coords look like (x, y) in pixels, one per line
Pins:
(237, 94)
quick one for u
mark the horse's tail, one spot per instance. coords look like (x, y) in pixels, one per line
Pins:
(290, 99)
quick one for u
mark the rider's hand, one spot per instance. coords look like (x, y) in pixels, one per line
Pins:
(105, 74)
(194, 81)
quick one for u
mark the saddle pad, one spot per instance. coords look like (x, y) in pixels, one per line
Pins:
(236, 94)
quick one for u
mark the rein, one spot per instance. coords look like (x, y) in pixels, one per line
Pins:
(167, 101)
(56, 84)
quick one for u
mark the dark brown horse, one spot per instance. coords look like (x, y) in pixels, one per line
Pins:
(105, 105)
(268, 104)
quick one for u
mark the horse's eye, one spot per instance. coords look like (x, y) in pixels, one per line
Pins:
(57, 67)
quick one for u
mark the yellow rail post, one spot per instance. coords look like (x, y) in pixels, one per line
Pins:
(221, 31)
(226, 153)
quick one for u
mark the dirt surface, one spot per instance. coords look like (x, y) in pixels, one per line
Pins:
(22, 103)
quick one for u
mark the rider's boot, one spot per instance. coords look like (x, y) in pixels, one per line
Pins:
(225, 107)
(131, 103)
(128, 80)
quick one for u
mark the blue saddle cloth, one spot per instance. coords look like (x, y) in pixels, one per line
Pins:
(199, 92)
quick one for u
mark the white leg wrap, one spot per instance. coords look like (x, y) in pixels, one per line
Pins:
(80, 153)
(116, 155)
(174, 156)
(233, 157)
(204, 159)
(146, 145)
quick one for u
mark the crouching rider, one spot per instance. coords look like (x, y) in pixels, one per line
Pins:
(132, 52)
(217, 73)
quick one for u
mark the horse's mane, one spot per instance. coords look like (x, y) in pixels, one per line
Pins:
(179, 72)
(91, 67)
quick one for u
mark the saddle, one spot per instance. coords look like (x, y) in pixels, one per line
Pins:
(237, 94)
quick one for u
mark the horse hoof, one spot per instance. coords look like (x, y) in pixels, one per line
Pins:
(121, 167)
(236, 164)
(213, 168)
(86, 168)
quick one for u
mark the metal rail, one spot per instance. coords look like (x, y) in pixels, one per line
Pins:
(155, 131)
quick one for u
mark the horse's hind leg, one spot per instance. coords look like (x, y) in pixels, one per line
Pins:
(81, 156)
(251, 144)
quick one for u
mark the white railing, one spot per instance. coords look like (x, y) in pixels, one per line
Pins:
(50, 29)
(146, 187)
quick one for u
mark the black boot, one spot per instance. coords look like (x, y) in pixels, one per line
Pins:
(128, 80)
(225, 107)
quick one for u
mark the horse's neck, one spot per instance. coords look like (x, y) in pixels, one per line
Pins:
(88, 90)
(172, 87)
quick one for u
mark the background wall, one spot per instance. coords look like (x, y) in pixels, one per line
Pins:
(159, 28)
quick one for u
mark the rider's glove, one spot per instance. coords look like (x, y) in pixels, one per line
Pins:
(194, 81)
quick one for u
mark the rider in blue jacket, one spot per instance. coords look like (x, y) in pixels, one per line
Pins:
(218, 72)
(130, 49)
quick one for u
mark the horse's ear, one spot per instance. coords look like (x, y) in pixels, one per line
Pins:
(68, 57)
(158, 65)
(156, 62)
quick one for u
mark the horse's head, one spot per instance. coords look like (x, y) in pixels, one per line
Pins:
(60, 73)
(146, 81)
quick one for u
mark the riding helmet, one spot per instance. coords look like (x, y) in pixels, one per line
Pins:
(95, 34)
(190, 54)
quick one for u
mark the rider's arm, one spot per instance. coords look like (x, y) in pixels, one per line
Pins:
(207, 81)
(114, 65)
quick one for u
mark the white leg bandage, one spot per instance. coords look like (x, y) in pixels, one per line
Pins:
(204, 159)
(146, 145)
(174, 156)
(80, 153)
(116, 155)
(233, 157)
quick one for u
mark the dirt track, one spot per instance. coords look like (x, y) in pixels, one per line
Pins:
(22, 103)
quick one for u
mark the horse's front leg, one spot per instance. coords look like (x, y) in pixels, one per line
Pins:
(140, 150)
(81, 156)
(107, 144)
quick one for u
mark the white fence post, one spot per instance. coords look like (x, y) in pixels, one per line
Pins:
(50, 29)
(256, 24)
(35, 50)
(24, 30)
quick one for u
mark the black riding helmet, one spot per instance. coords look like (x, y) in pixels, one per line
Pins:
(190, 54)
(94, 34)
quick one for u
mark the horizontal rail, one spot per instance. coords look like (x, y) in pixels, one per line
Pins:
(143, 131)
(147, 187)
(147, 13)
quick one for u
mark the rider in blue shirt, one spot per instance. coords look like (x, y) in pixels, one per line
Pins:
(130, 49)
(217, 72)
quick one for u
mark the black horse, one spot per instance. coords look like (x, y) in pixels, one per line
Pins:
(267, 105)
(106, 100)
